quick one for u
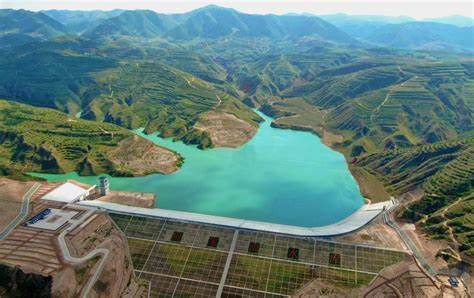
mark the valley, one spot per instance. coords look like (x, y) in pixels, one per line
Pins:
(292, 119)
(275, 176)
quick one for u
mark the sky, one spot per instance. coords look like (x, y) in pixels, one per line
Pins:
(418, 9)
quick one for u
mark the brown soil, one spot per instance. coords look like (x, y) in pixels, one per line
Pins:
(225, 130)
(330, 139)
(135, 199)
(36, 251)
(429, 248)
(11, 198)
(405, 279)
(321, 288)
(33, 250)
(140, 157)
(377, 234)
(100, 232)
(65, 283)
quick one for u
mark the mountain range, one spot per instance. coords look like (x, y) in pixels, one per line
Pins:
(217, 22)
(444, 34)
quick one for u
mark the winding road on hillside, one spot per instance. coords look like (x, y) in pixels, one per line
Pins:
(92, 254)
(23, 211)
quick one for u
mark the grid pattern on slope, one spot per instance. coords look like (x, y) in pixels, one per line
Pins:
(181, 259)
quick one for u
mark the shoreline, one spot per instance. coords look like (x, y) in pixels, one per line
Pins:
(327, 139)
(371, 189)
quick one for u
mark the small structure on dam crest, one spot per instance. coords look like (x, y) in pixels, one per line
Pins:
(104, 186)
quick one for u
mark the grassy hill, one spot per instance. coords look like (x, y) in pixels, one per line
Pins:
(201, 66)
(45, 140)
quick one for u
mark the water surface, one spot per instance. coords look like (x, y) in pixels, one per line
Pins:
(279, 176)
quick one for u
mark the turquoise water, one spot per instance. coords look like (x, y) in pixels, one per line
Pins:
(279, 176)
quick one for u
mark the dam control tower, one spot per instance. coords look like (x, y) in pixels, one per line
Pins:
(104, 186)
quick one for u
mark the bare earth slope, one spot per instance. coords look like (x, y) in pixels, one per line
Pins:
(224, 129)
(141, 157)
(11, 195)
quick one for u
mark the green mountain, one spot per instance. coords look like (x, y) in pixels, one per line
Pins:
(48, 76)
(200, 65)
(136, 23)
(78, 21)
(214, 22)
(40, 139)
(344, 20)
(18, 27)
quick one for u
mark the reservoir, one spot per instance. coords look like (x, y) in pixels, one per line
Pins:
(279, 176)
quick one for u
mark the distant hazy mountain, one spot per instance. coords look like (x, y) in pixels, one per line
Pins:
(340, 18)
(214, 22)
(345, 19)
(424, 36)
(21, 26)
(140, 23)
(455, 20)
(78, 21)
(403, 32)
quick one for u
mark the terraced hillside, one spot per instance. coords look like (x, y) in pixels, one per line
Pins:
(279, 68)
(377, 106)
(445, 171)
(404, 125)
(40, 139)
(161, 98)
(73, 74)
